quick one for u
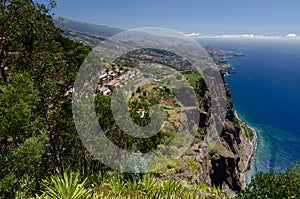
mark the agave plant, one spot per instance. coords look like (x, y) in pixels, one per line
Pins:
(66, 186)
(149, 184)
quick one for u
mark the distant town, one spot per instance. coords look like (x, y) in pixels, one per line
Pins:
(117, 73)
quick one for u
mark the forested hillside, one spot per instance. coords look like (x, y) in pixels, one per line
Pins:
(38, 68)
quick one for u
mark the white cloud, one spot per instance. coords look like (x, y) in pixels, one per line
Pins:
(242, 36)
(193, 34)
(291, 35)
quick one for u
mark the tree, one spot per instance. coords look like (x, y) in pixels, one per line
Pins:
(22, 142)
(38, 67)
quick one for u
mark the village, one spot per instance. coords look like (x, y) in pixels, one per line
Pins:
(116, 76)
(118, 73)
(109, 79)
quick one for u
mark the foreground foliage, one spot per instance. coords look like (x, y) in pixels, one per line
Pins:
(70, 184)
(282, 184)
(66, 186)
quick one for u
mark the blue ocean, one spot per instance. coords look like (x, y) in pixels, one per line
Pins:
(265, 88)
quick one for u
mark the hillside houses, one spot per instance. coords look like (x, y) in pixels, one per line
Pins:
(109, 79)
(113, 83)
(104, 90)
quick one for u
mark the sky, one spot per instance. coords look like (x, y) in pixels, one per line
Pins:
(204, 17)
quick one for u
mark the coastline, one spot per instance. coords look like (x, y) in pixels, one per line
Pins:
(254, 145)
(226, 69)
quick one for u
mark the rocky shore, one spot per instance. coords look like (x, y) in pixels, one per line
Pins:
(252, 150)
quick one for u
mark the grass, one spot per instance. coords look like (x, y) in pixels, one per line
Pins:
(247, 131)
(191, 165)
(192, 76)
(249, 134)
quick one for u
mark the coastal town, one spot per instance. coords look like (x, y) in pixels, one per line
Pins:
(220, 58)
(120, 71)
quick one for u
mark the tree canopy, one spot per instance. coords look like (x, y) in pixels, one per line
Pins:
(37, 69)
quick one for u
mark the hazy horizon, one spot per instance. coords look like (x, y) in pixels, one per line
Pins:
(209, 18)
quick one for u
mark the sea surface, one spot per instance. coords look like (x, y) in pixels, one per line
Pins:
(265, 88)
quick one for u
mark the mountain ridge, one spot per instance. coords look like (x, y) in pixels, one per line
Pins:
(73, 27)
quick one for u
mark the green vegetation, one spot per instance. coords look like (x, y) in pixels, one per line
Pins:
(282, 184)
(249, 133)
(193, 165)
(245, 130)
(148, 96)
(37, 68)
(121, 139)
(213, 154)
(70, 184)
(65, 186)
(192, 76)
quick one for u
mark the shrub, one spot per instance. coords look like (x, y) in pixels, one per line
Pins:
(284, 184)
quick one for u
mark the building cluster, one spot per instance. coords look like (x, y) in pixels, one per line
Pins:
(109, 79)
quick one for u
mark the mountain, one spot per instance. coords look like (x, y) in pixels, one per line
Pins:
(86, 32)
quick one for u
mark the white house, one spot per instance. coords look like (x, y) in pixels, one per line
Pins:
(104, 90)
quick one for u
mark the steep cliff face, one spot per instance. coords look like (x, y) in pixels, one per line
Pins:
(231, 155)
(229, 158)
(225, 169)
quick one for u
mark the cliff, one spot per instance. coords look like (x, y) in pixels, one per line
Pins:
(228, 160)
(230, 157)
(234, 148)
